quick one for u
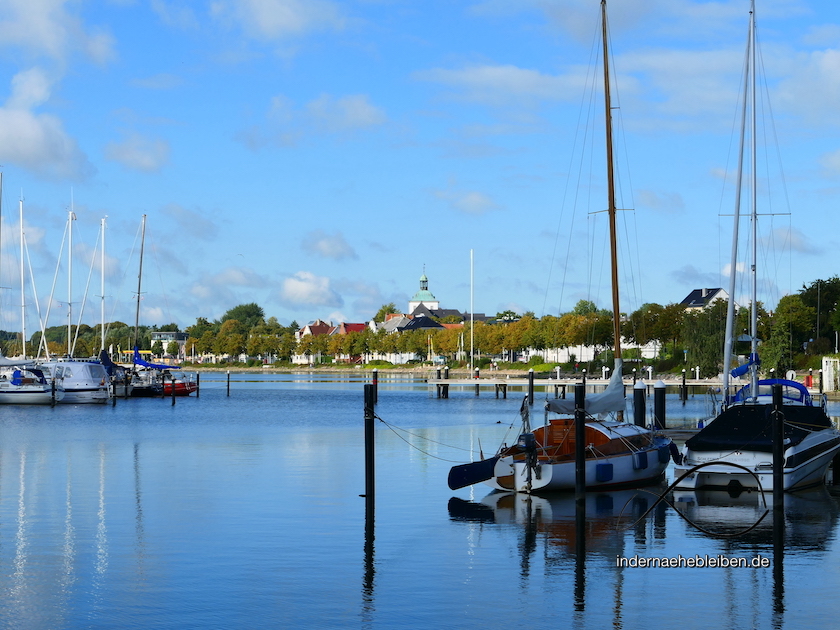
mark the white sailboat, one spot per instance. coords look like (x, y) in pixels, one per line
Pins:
(82, 380)
(617, 454)
(742, 433)
(22, 382)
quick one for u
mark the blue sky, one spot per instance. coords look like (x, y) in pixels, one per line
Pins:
(316, 156)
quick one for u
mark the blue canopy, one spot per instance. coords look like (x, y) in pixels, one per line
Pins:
(155, 366)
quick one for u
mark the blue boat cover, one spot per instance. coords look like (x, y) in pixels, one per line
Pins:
(155, 366)
(743, 369)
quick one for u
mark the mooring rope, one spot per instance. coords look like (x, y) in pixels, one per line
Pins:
(395, 429)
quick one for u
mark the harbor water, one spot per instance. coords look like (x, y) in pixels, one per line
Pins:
(244, 511)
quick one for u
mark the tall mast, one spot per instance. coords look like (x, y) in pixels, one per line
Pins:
(102, 290)
(22, 288)
(70, 217)
(753, 219)
(611, 210)
(139, 280)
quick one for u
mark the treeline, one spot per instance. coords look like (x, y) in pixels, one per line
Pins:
(802, 328)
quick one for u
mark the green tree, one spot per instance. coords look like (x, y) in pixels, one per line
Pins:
(249, 315)
(384, 311)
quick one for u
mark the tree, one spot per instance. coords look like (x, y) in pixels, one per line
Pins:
(249, 315)
(384, 311)
(172, 348)
(507, 316)
(157, 348)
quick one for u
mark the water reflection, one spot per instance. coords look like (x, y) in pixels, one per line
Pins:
(809, 516)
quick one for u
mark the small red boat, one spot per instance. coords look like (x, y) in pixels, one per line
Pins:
(184, 383)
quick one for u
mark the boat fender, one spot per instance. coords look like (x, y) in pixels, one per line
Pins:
(675, 453)
(640, 460)
(665, 453)
(603, 472)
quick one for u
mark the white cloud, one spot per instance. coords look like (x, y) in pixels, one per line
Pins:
(670, 203)
(175, 14)
(286, 125)
(138, 153)
(470, 202)
(275, 19)
(355, 111)
(37, 141)
(194, 224)
(506, 84)
(307, 289)
(328, 245)
(46, 27)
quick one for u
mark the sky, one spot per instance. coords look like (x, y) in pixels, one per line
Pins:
(317, 156)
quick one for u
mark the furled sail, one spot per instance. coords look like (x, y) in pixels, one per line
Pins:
(610, 400)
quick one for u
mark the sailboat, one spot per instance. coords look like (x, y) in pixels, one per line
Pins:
(736, 448)
(618, 454)
(83, 380)
(21, 381)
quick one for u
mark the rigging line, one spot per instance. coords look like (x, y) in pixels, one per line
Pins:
(162, 289)
(417, 448)
(55, 280)
(395, 428)
(584, 114)
(84, 296)
(116, 302)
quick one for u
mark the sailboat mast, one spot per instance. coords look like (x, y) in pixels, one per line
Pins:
(753, 217)
(70, 217)
(22, 288)
(139, 280)
(611, 210)
(102, 290)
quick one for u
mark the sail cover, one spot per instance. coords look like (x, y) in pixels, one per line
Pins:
(743, 369)
(155, 366)
(610, 400)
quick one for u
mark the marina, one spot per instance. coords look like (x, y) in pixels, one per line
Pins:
(242, 509)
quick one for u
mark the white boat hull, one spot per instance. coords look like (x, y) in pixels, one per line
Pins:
(28, 395)
(639, 468)
(800, 471)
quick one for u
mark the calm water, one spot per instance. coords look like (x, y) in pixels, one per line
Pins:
(244, 512)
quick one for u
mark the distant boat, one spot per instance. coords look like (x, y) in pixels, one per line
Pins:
(22, 383)
(83, 381)
(617, 454)
(741, 434)
(183, 383)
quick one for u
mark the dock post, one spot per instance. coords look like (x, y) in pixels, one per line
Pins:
(639, 403)
(659, 405)
(683, 390)
(476, 382)
(821, 381)
(778, 459)
(228, 382)
(172, 384)
(370, 486)
(531, 387)
(446, 377)
(438, 386)
(634, 377)
(197, 384)
(376, 386)
(580, 442)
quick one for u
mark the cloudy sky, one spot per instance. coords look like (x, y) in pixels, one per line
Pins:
(315, 156)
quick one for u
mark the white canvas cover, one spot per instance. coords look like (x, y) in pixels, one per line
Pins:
(610, 400)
